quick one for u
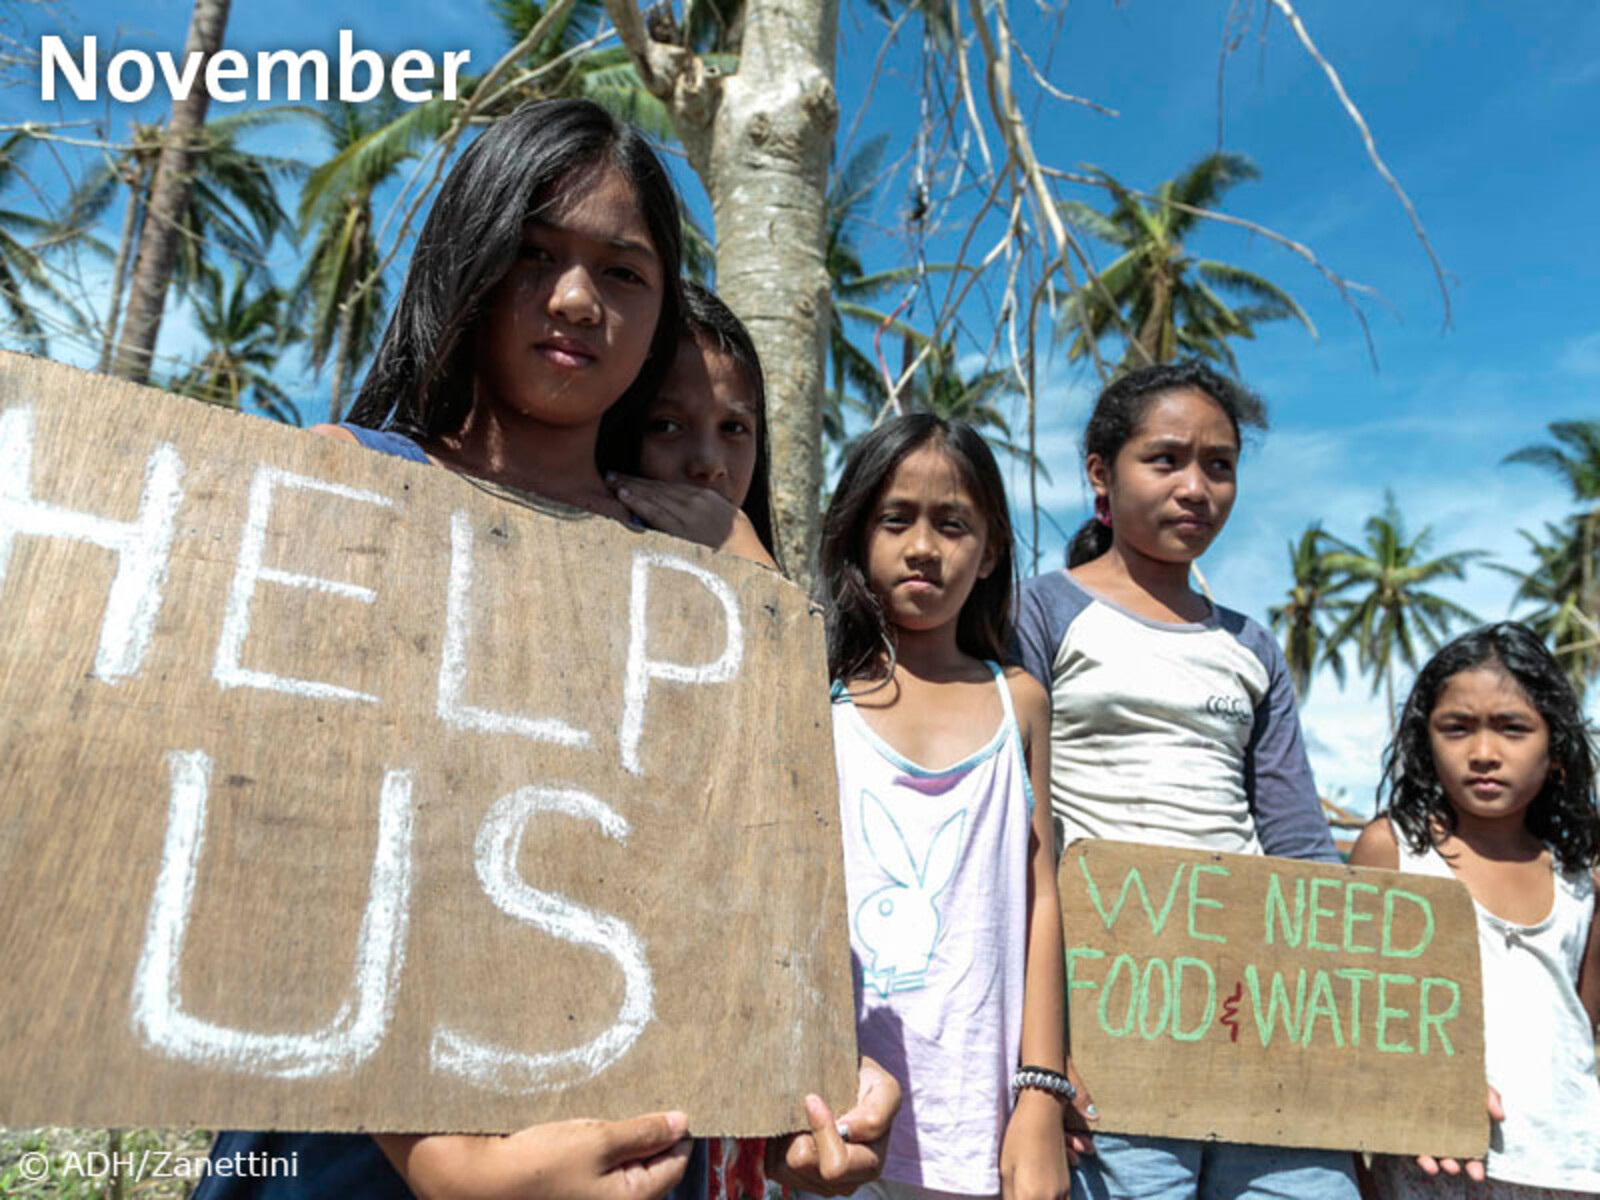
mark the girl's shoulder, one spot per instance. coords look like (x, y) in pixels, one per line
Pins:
(1377, 846)
(1028, 698)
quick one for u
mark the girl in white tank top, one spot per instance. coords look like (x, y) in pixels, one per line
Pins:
(955, 922)
(1491, 781)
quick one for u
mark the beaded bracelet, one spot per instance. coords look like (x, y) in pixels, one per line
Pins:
(1045, 1080)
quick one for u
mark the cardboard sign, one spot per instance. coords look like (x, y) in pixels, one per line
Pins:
(1271, 1001)
(337, 792)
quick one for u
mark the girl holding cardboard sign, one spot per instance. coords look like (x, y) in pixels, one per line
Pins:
(1173, 719)
(540, 310)
(1491, 781)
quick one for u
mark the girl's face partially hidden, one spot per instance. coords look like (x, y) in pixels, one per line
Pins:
(701, 428)
(569, 326)
(1491, 746)
(1172, 486)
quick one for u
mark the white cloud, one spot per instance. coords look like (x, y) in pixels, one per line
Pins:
(1581, 356)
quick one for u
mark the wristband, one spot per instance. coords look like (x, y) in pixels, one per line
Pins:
(1045, 1080)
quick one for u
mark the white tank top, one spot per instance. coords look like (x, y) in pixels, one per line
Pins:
(936, 875)
(1538, 1043)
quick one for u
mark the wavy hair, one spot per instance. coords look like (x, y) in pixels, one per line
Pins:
(1563, 814)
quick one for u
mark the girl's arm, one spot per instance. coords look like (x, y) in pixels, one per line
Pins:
(1278, 782)
(1589, 972)
(638, 1159)
(1033, 1158)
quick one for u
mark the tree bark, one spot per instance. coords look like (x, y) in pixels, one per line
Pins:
(760, 140)
(169, 196)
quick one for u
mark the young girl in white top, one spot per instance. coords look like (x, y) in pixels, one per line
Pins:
(1491, 781)
(1173, 719)
(955, 921)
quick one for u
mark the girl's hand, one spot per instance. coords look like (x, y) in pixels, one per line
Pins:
(638, 1159)
(827, 1164)
(1076, 1117)
(696, 514)
(1473, 1167)
(1033, 1158)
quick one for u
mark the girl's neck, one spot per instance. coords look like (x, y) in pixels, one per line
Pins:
(1503, 839)
(931, 653)
(516, 451)
(1131, 577)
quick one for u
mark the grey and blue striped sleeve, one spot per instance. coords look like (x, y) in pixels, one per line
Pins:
(1046, 606)
(1278, 783)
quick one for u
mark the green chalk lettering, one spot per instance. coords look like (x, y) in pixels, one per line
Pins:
(1291, 930)
(1197, 901)
(1278, 1006)
(1318, 913)
(1136, 881)
(1355, 976)
(1427, 1016)
(1322, 1005)
(1389, 948)
(1122, 962)
(1148, 1033)
(1386, 1012)
(1073, 955)
(1352, 918)
(1179, 965)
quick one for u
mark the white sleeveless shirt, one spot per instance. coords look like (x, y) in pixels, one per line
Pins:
(936, 874)
(1539, 1047)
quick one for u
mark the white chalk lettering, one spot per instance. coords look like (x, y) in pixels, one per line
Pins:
(453, 709)
(250, 571)
(496, 852)
(356, 1029)
(143, 546)
(641, 669)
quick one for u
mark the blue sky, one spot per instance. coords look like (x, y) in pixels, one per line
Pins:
(1486, 113)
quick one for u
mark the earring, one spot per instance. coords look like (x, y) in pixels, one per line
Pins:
(1102, 510)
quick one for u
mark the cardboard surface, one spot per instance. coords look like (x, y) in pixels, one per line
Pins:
(1265, 1000)
(337, 792)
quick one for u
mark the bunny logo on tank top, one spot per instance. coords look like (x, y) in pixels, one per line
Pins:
(899, 924)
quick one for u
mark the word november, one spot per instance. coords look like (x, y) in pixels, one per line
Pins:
(408, 74)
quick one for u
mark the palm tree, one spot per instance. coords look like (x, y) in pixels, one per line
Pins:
(1313, 599)
(232, 205)
(1396, 611)
(247, 331)
(22, 265)
(1165, 302)
(340, 283)
(160, 234)
(1566, 582)
(1557, 588)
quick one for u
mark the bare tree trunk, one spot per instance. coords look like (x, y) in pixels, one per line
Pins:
(158, 242)
(119, 269)
(760, 142)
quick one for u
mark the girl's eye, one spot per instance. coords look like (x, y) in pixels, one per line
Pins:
(626, 275)
(661, 426)
(735, 428)
(533, 252)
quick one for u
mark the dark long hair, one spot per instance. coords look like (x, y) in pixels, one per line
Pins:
(421, 378)
(1563, 814)
(1120, 410)
(860, 640)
